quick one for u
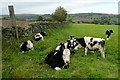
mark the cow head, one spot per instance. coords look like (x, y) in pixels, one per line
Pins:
(43, 33)
(66, 57)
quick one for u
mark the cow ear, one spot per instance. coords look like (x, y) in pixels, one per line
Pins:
(68, 40)
(61, 44)
(71, 37)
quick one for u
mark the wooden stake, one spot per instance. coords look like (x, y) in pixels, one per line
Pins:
(13, 20)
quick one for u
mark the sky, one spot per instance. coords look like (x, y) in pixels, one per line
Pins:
(49, 6)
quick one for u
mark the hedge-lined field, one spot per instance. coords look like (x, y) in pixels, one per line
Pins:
(31, 64)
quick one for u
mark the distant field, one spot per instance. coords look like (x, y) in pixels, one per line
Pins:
(7, 23)
(31, 64)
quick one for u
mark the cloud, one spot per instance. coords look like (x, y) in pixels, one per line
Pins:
(29, 0)
(49, 6)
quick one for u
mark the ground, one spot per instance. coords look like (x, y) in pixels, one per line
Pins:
(31, 64)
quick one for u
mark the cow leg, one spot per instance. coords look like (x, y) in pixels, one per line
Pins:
(92, 51)
(86, 49)
(102, 51)
(107, 37)
(77, 47)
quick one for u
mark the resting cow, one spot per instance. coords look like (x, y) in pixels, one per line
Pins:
(58, 59)
(26, 46)
(40, 36)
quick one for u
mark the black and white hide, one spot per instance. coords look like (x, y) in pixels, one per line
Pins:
(26, 46)
(58, 59)
(91, 44)
(108, 34)
(67, 45)
(72, 42)
(40, 36)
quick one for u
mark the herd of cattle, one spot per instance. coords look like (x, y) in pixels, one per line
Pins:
(60, 57)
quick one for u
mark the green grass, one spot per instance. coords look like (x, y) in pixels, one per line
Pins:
(31, 64)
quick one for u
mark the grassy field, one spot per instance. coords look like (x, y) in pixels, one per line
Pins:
(31, 64)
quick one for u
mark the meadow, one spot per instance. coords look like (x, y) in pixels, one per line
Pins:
(31, 64)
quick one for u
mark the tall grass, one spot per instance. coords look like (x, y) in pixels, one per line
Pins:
(31, 64)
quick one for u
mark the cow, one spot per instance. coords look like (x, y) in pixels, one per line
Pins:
(40, 36)
(91, 44)
(26, 46)
(67, 45)
(59, 60)
(108, 34)
(72, 42)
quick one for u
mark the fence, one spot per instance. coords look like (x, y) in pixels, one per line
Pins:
(34, 27)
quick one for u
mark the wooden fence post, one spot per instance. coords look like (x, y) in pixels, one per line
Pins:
(13, 20)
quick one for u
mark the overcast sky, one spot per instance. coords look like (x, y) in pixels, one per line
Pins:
(49, 6)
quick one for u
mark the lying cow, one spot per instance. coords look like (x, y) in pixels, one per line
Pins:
(26, 46)
(108, 34)
(72, 42)
(40, 36)
(92, 44)
(67, 45)
(58, 60)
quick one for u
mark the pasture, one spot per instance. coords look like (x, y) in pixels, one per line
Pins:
(31, 64)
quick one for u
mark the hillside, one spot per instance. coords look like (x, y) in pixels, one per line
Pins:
(92, 18)
(25, 16)
(97, 18)
(73, 16)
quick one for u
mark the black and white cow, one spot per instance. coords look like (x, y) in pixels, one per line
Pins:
(26, 46)
(67, 45)
(108, 34)
(40, 36)
(72, 42)
(92, 44)
(59, 59)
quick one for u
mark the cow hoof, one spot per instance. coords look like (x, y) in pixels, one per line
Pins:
(67, 66)
(57, 68)
(22, 51)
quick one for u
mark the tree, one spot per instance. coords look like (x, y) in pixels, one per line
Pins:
(59, 15)
(40, 18)
(70, 20)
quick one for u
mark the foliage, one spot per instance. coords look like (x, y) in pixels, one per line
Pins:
(5, 18)
(95, 18)
(31, 64)
(40, 18)
(103, 20)
(69, 20)
(60, 14)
